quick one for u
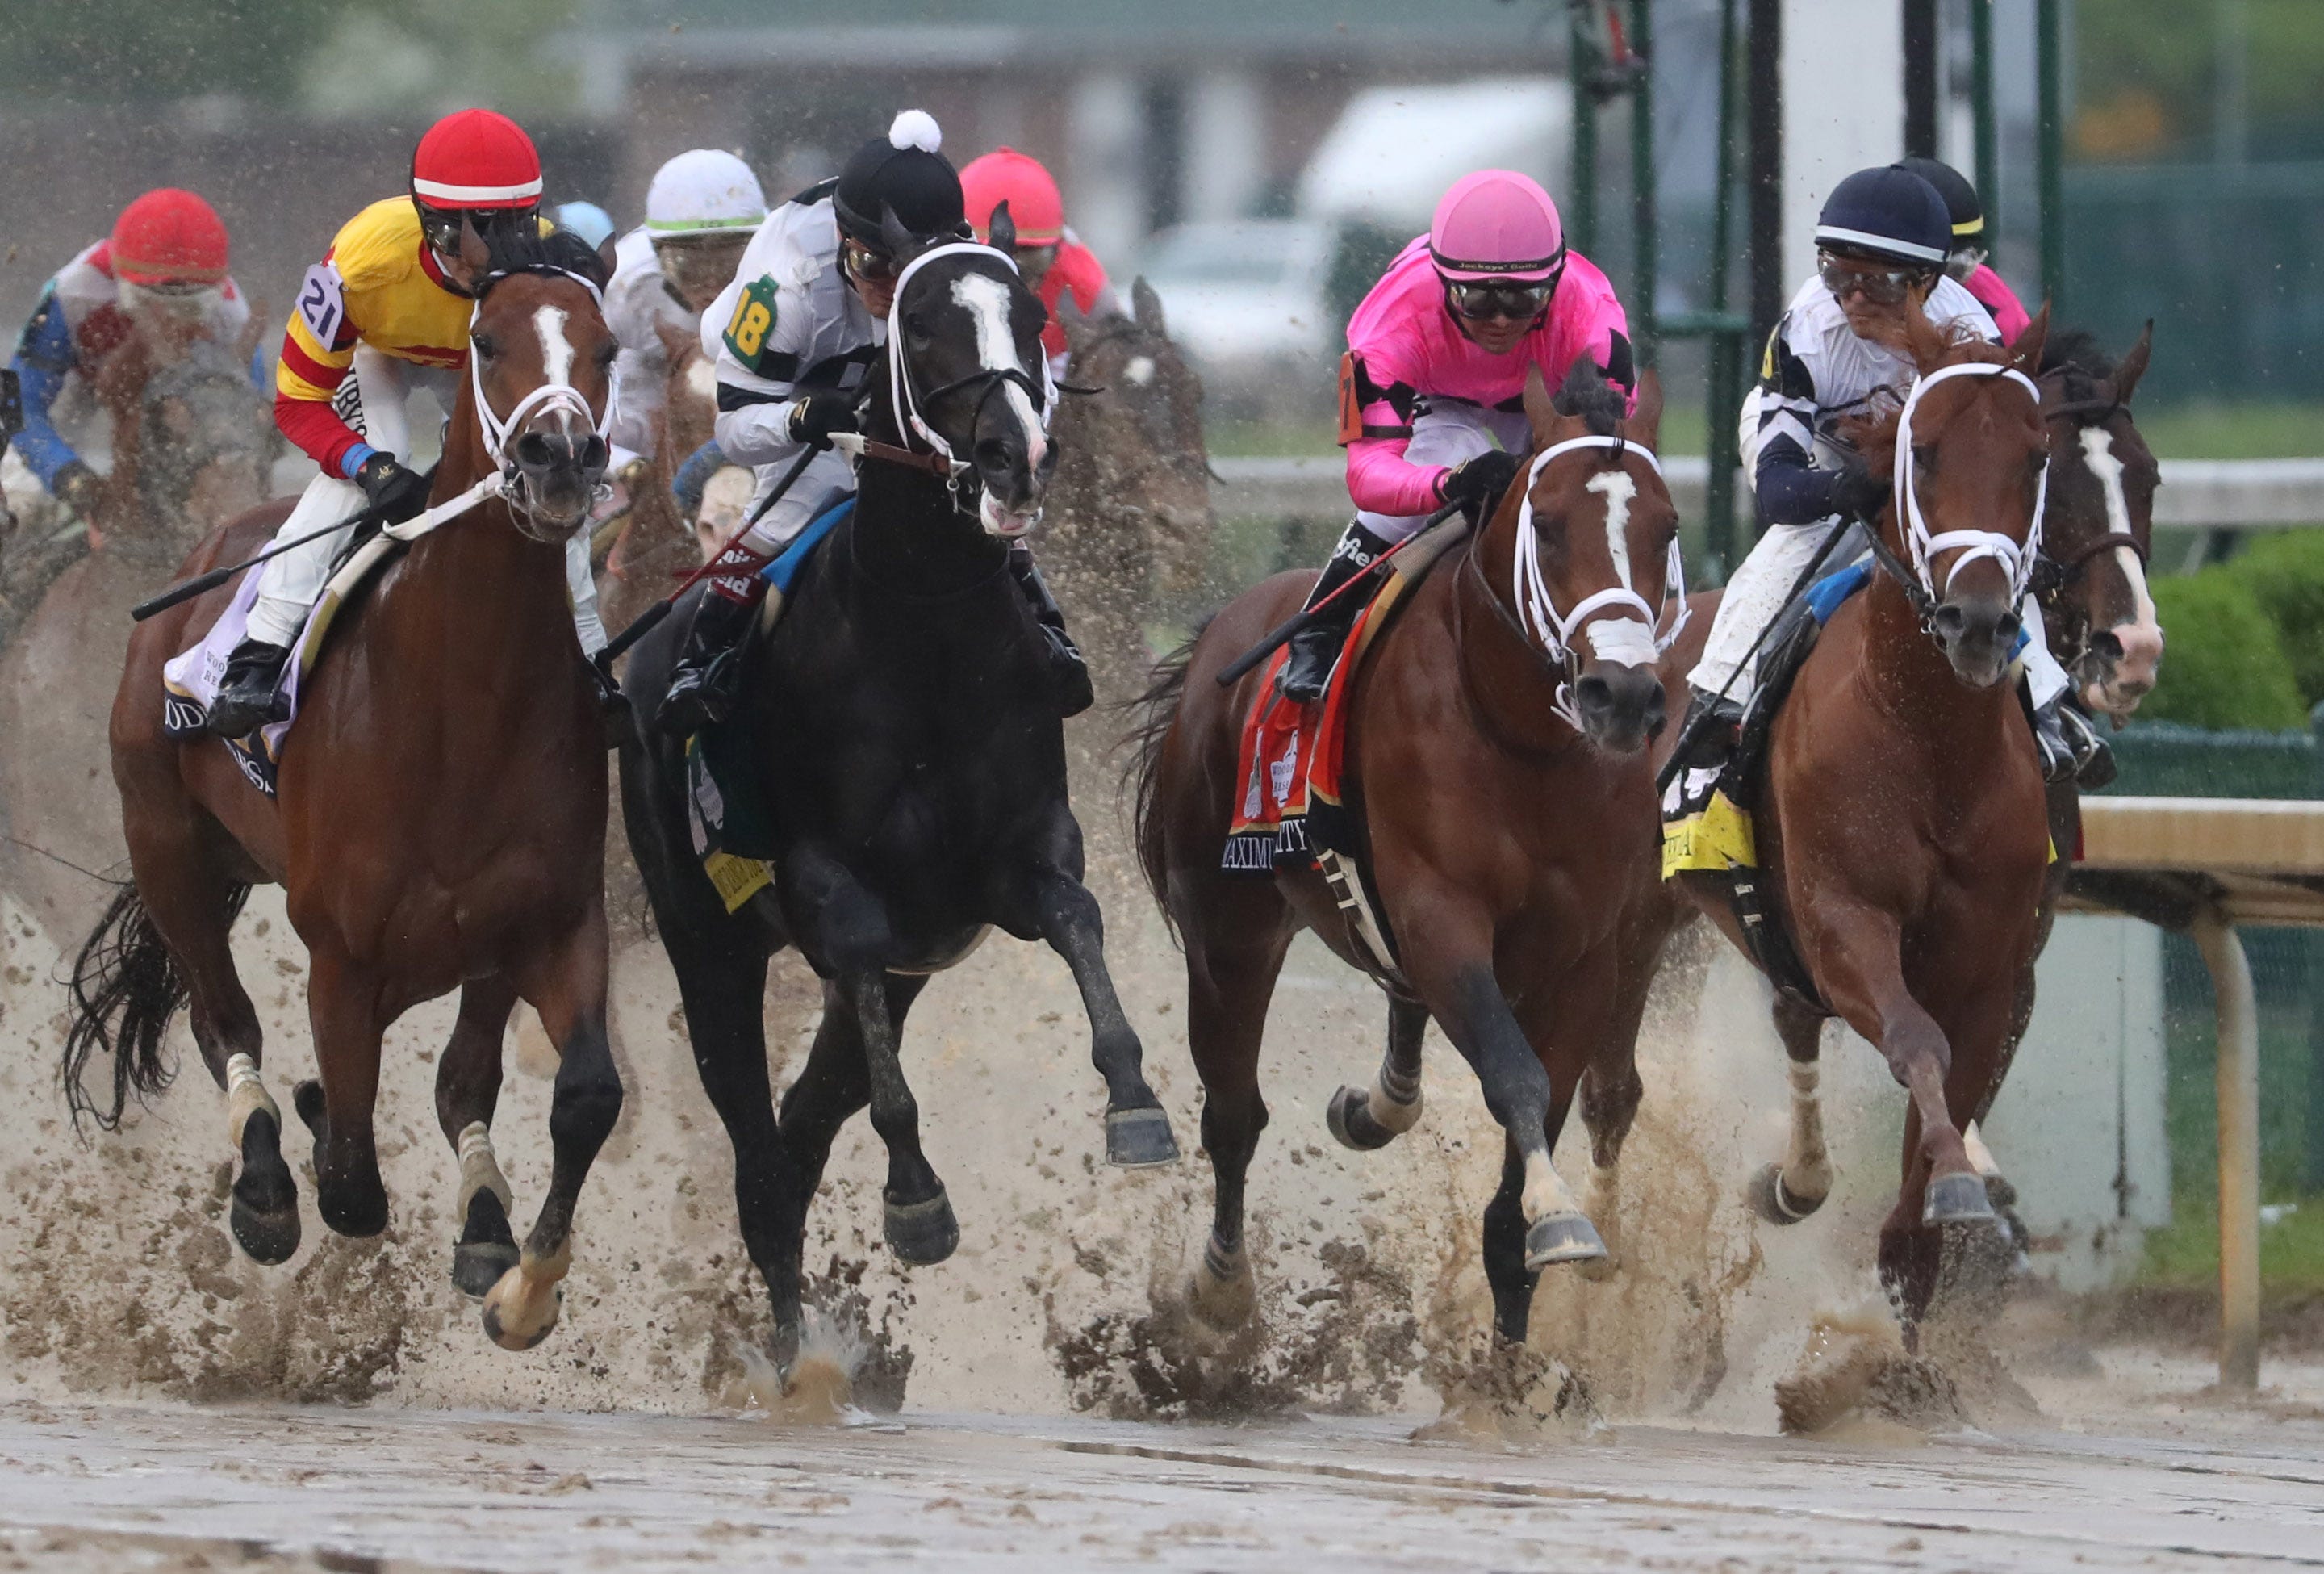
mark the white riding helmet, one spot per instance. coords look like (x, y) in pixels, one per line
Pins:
(704, 193)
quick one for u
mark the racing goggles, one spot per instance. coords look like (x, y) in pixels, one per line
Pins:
(1480, 300)
(441, 226)
(178, 297)
(1881, 286)
(867, 264)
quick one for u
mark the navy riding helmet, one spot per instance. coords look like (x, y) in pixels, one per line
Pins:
(1886, 215)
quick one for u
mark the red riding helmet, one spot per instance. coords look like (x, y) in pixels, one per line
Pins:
(1005, 175)
(168, 236)
(476, 159)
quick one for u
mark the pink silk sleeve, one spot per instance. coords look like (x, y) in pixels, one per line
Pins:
(1381, 480)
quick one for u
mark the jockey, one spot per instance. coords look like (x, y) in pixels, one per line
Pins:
(160, 275)
(701, 211)
(389, 302)
(1049, 255)
(1882, 243)
(1966, 261)
(797, 333)
(1434, 375)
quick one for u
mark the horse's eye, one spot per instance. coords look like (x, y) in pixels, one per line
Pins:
(606, 355)
(486, 347)
(1924, 454)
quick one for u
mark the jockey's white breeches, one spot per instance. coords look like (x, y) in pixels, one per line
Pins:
(1755, 595)
(828, 477)
(1449, 434)
(374, 399)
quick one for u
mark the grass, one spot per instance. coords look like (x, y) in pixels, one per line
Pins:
(2185, 1254)
(2258, 431)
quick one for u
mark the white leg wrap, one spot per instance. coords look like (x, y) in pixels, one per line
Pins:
(245, 1096)
(1394, 1102)
(1980, 1157)
(1545, 1191)
(1807, 1167)
(480, 1170)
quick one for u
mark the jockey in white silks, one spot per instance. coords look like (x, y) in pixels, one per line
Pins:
(1882, 243)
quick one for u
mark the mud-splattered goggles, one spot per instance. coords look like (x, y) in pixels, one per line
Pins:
(1881, 286)
(1481, 302)
(868, 266)
(441, 226)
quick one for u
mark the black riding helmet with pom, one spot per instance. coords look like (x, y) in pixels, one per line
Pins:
(901, 173)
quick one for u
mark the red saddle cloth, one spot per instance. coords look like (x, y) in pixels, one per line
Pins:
(1289, 761)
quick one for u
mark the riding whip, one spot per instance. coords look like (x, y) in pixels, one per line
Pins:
(1702, 719)
(1282, 633)
(652, 616)
(187, 590)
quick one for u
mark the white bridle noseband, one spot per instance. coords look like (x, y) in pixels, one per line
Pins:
(1630, 640)
(900, 391)
(2016, 557)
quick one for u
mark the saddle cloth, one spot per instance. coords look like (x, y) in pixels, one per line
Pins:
(190, 680)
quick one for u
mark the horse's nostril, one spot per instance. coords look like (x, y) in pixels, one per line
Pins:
(1593, 693)
(595, 455)
(2006, 628)
(1949, 621)
(2107, 645)
(533, 452)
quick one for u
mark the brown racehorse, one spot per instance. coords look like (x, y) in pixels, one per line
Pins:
(1497, 762)
(1900, 829)
(441, 824)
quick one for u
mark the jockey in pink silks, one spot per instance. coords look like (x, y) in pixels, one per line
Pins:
(1432, 389)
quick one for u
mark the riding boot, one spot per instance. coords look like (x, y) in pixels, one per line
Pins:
(246, 697)
(703, 681)
(2070, 749)
(1069, 672)
(1710, 744)
(1315, 648)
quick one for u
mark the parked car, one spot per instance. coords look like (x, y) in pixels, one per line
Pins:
(1249, 301)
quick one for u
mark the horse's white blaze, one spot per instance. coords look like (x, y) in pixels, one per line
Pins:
(1545, 1191)
(1139, 370)
(986, 301)
(245, 1096)
(2142, 636)
(1617, 487)
(556, 349)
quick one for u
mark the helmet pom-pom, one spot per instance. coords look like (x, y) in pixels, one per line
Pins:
(916, 128)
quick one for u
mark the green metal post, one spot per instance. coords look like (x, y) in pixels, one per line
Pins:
(1581, 207)
(1646, 271)
(1989, 141)
(2050, 67)
(1724, 394)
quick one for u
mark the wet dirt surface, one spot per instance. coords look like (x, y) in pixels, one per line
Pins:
(120, 1486)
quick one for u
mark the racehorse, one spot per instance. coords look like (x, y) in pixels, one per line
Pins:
(1496, 762)
(903, 732)
(440, 822)
(655, 546)
(1129, 515)
(1901, 832)
(194, 441)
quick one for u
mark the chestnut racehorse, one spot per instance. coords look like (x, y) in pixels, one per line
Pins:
(441, 822)
(1901, 830)
(1495, 760)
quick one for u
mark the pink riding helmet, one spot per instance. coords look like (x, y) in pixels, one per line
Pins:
(1496, 225)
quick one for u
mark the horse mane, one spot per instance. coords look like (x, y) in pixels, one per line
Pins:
(1590, 397)
(512, 251)
(2087, 371)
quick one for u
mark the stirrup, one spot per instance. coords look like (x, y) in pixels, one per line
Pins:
(1709, 743)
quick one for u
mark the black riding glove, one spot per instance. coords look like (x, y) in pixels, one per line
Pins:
(1858, 494)
(397, 492)
(77, 487)
(1486, 477)
(816, 417)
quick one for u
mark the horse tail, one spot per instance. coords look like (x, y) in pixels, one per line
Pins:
(124, 989)
(1153, 713)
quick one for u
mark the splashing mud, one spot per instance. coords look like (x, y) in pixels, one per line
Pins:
(820, 1390)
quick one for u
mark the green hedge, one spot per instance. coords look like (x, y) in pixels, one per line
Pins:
(2225, 663)
(2285, 574)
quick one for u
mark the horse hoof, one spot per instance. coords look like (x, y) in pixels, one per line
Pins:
(1956, 1199)
(1350, 1117)
(1774, 1202)
(519, 1311)
(923, 1233)
(478, 1265)
(1561, 1237)
(1138, 1139)
(360, 1211)
(1598, 1270)
(268, 1238)
(307, 1098)
(1221, 1291)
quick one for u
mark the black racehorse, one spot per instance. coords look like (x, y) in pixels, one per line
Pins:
(912, 763)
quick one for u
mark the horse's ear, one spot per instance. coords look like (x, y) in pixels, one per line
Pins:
(1149, 307)
(2132, 366)
(1541, 413)
(1644, 425)
(902, 244)
(2025, 352)
(1927, 346)
(1001, 233)
(473, 252)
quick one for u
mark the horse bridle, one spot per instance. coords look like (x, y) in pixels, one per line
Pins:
(1629, 640)
(498, 430)
(958, 474)
(2052, 574)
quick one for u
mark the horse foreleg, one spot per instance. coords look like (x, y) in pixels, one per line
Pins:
(1137, 1130)
(1788, 1191)
(1858, 959)
(1230, 978)
(569, 991)
(917, 1216)
(467, 1091)
(1364, 1118)
(342, 1006)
